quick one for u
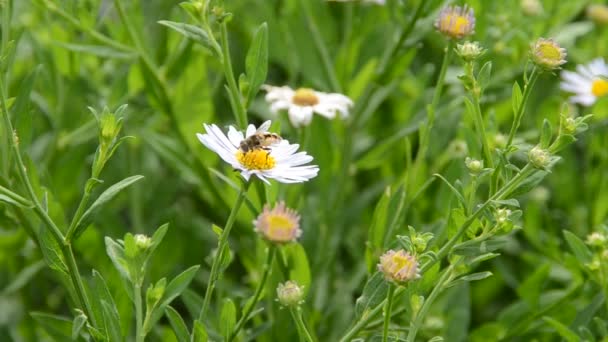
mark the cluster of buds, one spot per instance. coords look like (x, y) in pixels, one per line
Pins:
(598, 241)
(110, 125)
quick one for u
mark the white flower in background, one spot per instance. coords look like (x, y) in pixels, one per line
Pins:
(259, 153)
(588, 83)
(303, 102)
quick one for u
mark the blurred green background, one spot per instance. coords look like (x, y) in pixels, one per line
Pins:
(188, 186)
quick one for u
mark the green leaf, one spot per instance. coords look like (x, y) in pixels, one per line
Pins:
(199, 333)
(19, 110)
(106, 196)
(24, 277)
(546, 134)
(476, 248)
(578, 247)
(103, 303)
(374, 292)
(98, 50)
(470, 277)
(377, 230)
(78, 324)
(227, 317)
(20, 204)
(516, 97)
(507, 203)
(195, 33)
(58, 327)
(256, 62)
(173, 289)
(450, 186)
(483, 77)
(177, 323)
(562, 330)
(531, 289)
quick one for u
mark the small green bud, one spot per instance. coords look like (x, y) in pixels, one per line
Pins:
(500, 140)
(531, 8)
(596, 239)
(458, 149)
(469, 51)
(539, 158)
(502, 215)
(142, 241)
(290, 293)
(598, 13)
(475, 166)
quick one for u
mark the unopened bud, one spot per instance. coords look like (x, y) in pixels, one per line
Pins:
(475, 166)
(290, 293)
(539, 158)
(469, 51)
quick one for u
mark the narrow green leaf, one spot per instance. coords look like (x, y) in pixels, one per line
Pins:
(377, 230)
(24, 277)
(562, 330)
(195, 33)
(106, 196)
(507, 203)
(297, 262)
(470, 277)
(476, 248)
(578, 247)
(483, 78)
(256, 62)
(227, 317)
(58, 327)
(177, 323)
(20, 110)
(98, 50)
(516, 97)
(103, 301)
(452, 188)
(546, 134)
(199, 333)
(78, 324)
(374, 292)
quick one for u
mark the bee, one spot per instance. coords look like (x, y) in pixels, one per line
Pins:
(259, 141)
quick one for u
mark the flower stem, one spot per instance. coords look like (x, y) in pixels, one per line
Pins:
(139, 336)
(440, 286)
(258, 291)
(522, 106)
(236, 101)
(505, 191)
(426, 129)
(303, 332)
(387, 311)
(321, 48)
(223, 241)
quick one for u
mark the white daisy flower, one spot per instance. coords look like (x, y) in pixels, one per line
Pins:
(276, 159)
(303, 102)
(588, 83)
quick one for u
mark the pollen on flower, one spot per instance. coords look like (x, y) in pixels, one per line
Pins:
(399, 266)
(305, 97)
(279, 224)
(456, 22)
(599, 87)
(256, 159)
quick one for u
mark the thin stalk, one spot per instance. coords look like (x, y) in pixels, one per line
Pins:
(15, 197)
(426, 130)
(223, 241)
(258, 291)
(238, 108)
(321, 48)
(505, 191)
(296, 313)
(387, 311)
(522, 106)
(79, 212)
(6, 17)
(139, 336)
(88, 30)
(481, 129)
(417, 322)
(68, 253)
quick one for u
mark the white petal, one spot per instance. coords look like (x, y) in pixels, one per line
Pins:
(235, 136)
(300, 116)
(585, 100)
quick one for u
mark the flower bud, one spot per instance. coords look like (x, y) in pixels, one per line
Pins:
(290, 293)
(279, 224)
(531, 8)
(596, 239)
(456, 22)
(469, 51)
(475, 166)
(502, 215)
(399, 266)
(539, 158)
(142, 241)
(598, 13)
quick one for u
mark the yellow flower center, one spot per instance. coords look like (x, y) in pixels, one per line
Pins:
(549, 51)
(256, 159)
(454, 25)
(599, 87)
(400, 261)
(305, 97)
(280, 228)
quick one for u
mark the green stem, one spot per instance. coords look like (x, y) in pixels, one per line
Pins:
(426, 129)
(387, 311)
(258, 291)
(480, 126)
(236, 101)
(88, 30)
(139, 335)
(305, 335)
(223, 241)
(505, 191)
(417, 322)
(321, 48)
(17, 198)
(79, 212)
(68, 253)
(522, 106)
(6, 17)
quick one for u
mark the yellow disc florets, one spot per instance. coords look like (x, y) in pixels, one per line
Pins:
(256, 159)
(599, 87)
(456, 22)
(305, 97)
